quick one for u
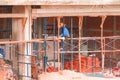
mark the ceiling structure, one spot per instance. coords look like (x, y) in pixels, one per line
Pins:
(59, 2)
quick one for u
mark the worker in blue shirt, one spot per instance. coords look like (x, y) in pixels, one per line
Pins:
(64, 31)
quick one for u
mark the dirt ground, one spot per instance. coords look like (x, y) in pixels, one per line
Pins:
(71, 75)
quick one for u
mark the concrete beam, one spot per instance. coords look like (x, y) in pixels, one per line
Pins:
(76, 11)
(59, 2)
(12, 15)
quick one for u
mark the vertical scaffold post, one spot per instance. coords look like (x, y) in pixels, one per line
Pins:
(87, 58)
(58, 45)
(54, 43)
(111, 55)
(79, 42)
(116, 46)
(102, 43)
(71, 41)
(62, 49)
(10, 34)
(45, 44)
(27, 55)
(18, 64)
(93, 56)
(62, 55)
(35, 46)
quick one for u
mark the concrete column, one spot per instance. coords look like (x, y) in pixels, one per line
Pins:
(28, 36)
(39, 28)
(21, 30)
(16, 36)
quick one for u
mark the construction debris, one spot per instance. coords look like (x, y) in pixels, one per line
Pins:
(6, 72)
(66, 75)
(72, 75)
(116, 71)
(85, 65)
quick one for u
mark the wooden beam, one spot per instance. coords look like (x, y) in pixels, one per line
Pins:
(12, 15)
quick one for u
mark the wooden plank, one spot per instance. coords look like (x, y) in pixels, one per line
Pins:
(12, 15)
(59, 2)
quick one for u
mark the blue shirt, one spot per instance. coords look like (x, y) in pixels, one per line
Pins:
(64, 32)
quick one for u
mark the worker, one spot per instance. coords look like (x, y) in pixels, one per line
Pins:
(64, 31)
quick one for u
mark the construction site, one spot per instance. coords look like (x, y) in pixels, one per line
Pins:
(59, 39)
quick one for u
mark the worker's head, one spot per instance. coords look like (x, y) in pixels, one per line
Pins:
(61, 24)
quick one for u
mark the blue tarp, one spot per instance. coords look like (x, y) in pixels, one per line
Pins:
(64, 32)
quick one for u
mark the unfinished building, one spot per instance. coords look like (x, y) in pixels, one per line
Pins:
(43, 36)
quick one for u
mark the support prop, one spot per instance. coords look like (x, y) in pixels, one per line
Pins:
(102, 44)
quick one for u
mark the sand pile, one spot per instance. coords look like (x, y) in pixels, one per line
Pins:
(71, 75)
(63, 75)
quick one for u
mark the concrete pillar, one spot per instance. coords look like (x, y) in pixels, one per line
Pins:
(28, 36)
(39, 28)
(16, 36)
(21, 30)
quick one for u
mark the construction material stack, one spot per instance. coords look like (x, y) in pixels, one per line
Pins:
(88, 64)
(6, 72)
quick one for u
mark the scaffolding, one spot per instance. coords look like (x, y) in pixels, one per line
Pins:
(97, 48)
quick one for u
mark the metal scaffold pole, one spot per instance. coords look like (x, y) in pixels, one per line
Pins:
(58, 45)
(45, 44)
(111, 54)
(54, 43)
(62, 55)
(116, 46)
(71, 41)
(35, 47)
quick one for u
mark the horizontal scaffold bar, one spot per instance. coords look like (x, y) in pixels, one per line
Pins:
(55, 39)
